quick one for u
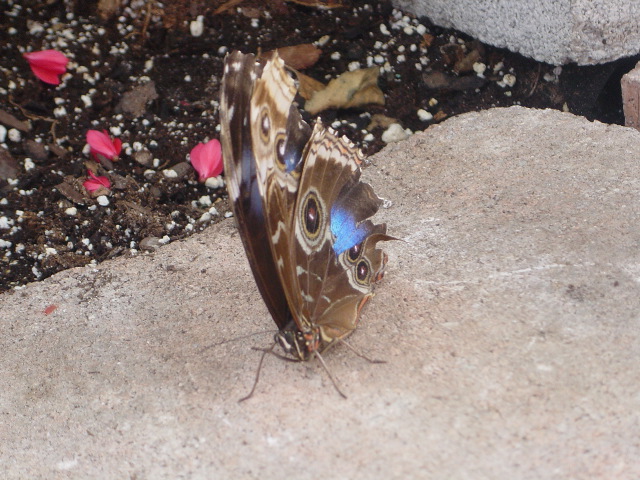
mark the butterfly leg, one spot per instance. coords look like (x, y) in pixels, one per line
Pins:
(358, 353)
(326, 369)
(255, 382)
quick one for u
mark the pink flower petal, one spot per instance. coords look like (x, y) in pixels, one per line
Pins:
(47, 65)
(206, 158)
(101, 144)
(94, 183)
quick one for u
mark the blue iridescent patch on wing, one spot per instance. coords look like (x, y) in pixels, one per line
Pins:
(291, 162)
(345, 231)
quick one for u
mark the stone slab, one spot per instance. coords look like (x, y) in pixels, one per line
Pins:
(509, 319)
(558, 32)
(630, 85)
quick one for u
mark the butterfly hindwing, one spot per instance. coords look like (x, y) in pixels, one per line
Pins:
(336, 260)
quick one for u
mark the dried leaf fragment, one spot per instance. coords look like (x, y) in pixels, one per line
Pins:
(297, 57)
(379, 120)
(349, 90)
(307, 86)
(321, 4)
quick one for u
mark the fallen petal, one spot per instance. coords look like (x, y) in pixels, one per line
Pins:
(47, 65)
(101, 144)
(206, 159)
(94, 183)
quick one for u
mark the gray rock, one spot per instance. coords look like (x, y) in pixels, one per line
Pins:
(508, 319)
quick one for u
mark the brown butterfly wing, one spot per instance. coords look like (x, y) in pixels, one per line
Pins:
(335, 254)
(242, 180)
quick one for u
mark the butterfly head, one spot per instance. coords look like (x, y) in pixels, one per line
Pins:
(300, 345)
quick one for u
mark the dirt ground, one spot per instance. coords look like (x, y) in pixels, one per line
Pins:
(142, 75)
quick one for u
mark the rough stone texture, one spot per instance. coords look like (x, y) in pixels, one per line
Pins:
(586, 32)
(631, 97)
(509, 319)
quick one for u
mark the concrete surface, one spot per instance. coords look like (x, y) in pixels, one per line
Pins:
(586, 32)
(630, 85)
(509, 319)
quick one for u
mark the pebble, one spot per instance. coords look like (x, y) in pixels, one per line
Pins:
(59, 112)
(150, 243)
(479, 68)
(103, 201)
(509, 80)
(14, 135)
(424, 115)
(196, 27)
(395, 133)
(214, 182)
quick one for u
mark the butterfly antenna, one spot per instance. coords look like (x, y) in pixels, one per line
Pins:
(255, 382)
(333, 380)
(358, 353)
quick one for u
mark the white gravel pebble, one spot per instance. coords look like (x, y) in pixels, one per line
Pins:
(14, 135)
(196, 27)
(394, 133)
(424, 115)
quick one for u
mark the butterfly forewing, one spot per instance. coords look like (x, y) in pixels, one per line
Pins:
(240, 72)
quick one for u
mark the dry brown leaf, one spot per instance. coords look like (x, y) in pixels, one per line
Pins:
(349, 90)
(439, 116)
(322, 4)
(226, 6)
(427, 40)
(108, 8)
(466, 63)
(308, 86)
(300, 56)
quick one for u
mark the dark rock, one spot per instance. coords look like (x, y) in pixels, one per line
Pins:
(182, 169)
(35, 150)
(11, 121)
(150, 243)
(134, 102)
(442, 81)
(8, 165)
(143, 157)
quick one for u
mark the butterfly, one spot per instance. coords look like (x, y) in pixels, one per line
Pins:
(301, 209)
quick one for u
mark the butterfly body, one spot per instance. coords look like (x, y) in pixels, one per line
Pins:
(302, 212)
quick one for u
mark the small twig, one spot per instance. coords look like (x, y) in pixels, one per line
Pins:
(145, 25)
(226, 6)
(535, 84)
(31, 116)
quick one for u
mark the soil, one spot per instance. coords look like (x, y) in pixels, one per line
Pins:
(48, 222)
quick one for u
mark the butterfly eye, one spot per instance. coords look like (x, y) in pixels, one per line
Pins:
(362, 272)
(311, 216)
(311, 221)
(280, 149)
(265, 124)
(354, 252)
